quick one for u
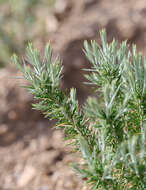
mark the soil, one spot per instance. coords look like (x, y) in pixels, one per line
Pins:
(33, 155)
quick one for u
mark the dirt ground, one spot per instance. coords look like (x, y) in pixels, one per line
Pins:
(33, 155)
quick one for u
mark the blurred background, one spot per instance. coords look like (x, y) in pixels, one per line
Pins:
(32, 154)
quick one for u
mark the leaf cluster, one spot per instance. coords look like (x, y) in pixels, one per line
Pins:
(109, 131)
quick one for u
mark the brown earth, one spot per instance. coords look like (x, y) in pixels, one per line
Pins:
(32, 153)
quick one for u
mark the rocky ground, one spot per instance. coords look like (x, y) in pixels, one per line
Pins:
(33, 155)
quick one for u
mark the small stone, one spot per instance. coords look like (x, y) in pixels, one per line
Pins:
(60, 6)
(3, 129)
(12, 115)
(51, 24)
(27, 175)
